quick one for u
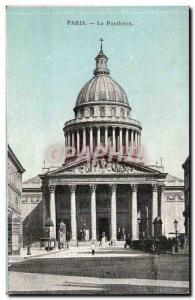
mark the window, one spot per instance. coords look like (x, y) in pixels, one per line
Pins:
(102, 112)
(17, 201)
(113, 111)
(122, 113)
(91, 111)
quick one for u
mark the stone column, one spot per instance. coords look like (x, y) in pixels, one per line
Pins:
(126, 140)
(98, 137)
(84, 139)
(114, 139)
(106, 137)
(66, 142)
(140, 139)
(73, 143)
(120, 140)
(91, 140)
(93, 211)
(46, 213)
(154, 213)
(113, 212)
(136, 142)
(78, 142)
(68, 139)
(132, 140)
(162, 208)
(73, 212)
(52, 210)
(134, 213)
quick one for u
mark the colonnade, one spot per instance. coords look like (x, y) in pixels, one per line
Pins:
(121, 139)
(113, 211)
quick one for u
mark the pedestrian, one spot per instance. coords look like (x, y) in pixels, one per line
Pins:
(92, 249)
(182, 242)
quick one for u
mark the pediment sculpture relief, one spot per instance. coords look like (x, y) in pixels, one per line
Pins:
(101, 166)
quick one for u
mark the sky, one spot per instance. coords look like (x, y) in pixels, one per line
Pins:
(49, 61)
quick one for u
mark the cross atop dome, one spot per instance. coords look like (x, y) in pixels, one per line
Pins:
(101, 40)
(101, 63)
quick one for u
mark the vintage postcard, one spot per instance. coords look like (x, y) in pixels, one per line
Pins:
(98, 165)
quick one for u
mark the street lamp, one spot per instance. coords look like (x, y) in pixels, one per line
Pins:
(176, 225)
(28, 239)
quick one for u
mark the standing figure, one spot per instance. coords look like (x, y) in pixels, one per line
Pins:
(84, 234)
(92, 249)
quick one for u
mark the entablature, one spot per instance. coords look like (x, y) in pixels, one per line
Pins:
(99, 179)
(102, 122)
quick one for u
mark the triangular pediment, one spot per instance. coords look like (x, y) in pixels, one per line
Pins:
(102, 165)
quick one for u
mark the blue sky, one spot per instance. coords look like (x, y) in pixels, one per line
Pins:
(48, 62)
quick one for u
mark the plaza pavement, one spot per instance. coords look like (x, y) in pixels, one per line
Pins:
(82, 251)
(57, 284)
(111, 271)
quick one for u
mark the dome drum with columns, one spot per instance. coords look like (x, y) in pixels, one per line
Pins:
(102, 117)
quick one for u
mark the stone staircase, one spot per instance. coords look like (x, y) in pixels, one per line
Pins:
(105, 244)
(36, 245)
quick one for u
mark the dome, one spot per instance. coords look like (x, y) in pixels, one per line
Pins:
(102, 87)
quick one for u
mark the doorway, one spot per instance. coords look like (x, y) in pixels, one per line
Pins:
(103, 226)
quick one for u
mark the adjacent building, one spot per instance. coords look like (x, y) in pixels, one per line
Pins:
(186, 167)
(174, 205)
(32, 226)
(14, 193)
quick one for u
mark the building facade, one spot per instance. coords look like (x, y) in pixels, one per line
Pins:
(104, 188)
(32, 211)
(174, 205)
(186, 167)
(14, 193)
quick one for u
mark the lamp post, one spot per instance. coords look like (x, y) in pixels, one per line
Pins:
(175, 225)
(29, 240)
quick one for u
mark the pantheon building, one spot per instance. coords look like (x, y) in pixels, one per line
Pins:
(104, 188)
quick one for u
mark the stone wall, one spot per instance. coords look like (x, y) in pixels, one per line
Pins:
(32, 214)
(174, 208)
(14, 192)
